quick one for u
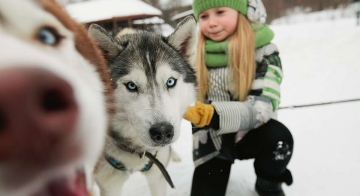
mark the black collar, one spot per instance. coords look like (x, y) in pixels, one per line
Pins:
(148, 155)
(117, 164)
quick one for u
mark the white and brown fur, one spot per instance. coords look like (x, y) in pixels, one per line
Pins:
(29, 163)
(148, 107)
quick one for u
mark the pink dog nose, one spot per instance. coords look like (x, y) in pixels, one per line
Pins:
(38, 113)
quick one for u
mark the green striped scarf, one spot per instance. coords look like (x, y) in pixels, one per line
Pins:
(216, 52)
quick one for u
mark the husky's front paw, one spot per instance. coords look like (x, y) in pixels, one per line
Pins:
(175, 156)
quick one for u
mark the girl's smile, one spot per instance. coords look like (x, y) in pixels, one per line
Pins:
(215, 33)
(218, 23)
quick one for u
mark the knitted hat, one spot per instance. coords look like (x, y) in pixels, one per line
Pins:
(202, 5)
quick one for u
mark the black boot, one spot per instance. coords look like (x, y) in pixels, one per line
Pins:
(268, 188)
(272, 187)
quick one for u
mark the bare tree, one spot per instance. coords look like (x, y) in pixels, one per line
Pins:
(155, 3)
(173, 4)
(279, 8)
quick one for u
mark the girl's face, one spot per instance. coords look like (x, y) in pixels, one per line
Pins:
(218, 23)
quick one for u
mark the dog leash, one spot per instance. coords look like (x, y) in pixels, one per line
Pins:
(153, 159)
(161, 167)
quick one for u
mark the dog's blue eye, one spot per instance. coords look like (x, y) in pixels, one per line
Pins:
(48, 36)
(131, 86)
(171, 82)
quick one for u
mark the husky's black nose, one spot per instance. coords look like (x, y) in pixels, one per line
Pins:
(162, 133)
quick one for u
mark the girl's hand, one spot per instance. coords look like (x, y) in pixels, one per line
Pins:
(200, 114)
(256, 11)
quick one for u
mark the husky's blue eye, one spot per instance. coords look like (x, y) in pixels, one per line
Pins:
(131, 86)
(171, 82)
(48, 36)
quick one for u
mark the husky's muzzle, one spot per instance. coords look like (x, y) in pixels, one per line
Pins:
(38, 115)
(37, 112)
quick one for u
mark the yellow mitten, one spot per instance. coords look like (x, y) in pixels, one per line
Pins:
(200, 114)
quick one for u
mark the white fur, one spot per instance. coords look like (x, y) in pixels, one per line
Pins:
(137, 111)
(111, 180)
(133, 120)
(19, 48)
(134, 110)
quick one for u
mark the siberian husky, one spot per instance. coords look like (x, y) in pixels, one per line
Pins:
(54, 90)
(154, 82)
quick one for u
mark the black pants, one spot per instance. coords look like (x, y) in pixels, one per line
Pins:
(271, 145)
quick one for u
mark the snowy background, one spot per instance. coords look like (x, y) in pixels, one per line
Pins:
(183, 2)
(321, 62)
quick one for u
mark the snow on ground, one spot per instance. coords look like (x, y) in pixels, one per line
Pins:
(321, 62)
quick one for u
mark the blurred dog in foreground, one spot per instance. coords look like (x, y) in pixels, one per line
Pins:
(154, 82)
(55, 99)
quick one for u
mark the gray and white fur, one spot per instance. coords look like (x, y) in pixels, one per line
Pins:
(154, 82)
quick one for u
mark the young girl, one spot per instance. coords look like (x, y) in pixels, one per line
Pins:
(239, 74)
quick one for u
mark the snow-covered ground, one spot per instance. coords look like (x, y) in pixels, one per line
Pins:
(321, 62)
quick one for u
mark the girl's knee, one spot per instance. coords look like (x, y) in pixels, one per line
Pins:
(280, 140)
(278, 133)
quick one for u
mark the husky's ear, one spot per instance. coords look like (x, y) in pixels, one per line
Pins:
(184, 39)
(107, 43)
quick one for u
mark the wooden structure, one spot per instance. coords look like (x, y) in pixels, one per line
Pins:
(113, 15)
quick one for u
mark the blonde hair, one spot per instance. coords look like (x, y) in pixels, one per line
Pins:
(241, 51)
